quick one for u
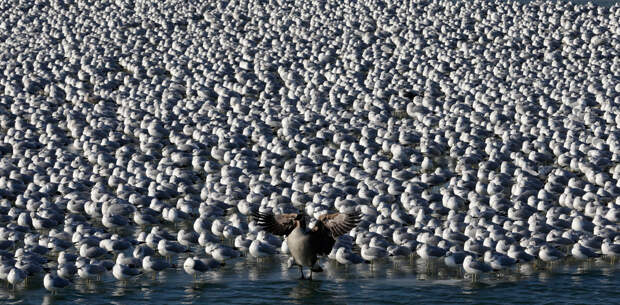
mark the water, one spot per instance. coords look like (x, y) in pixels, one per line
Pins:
(604, 3)
(270, 282)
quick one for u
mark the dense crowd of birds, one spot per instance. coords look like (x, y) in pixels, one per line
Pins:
(481, 133)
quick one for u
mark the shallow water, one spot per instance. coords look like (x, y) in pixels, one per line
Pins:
(607, 3)
(391, 282)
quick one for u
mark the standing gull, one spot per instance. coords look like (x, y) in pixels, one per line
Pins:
(153, 265)
(193, 265)
(372, 253)
(581, 253)
(475, 267)
(169, 248)
(53, 282)
(260, 249)
(16, 276)
(550, 254)
(66, 270)
(455, 259)
(88, 270)
(346, 257)
(243, 244)
(124, 272)
(610, 249)
(520, 255)
(305, 244)
(221, 252)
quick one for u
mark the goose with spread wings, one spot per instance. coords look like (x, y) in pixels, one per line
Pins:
(303, 243)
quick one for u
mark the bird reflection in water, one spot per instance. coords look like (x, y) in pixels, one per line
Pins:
(332, 270)
(526, 269)
(608, 270)
(48, 299)
(306, 290)
(194, 289)
(254, 272)
(120, 289)
(84, 286)
(544, 275)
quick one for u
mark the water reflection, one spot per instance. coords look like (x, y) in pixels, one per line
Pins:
(608, 270)
(470, 287)
(242, 280)
(254, 272)
(84, 286)
(120, 289)
(305, 290)
(526, 269)
(7, 293)
(47, 299)
(545, 275)
(194, 290)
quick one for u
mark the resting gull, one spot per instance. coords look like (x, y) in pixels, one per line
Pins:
(580, 252)
(372, 253)
(550, 254)
(260, 249)
(16, 276)
(475, 267)
(169, 248)
(346, 257)
(67, 270)
(194, 265)
(610, 249)
(153, 265)
(124, 272)
(53, 282)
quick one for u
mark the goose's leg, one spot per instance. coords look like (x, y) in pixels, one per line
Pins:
(301, 270)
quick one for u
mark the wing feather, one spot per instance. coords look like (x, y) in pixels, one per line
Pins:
(279, 224)
(340, 223)
(329, 227)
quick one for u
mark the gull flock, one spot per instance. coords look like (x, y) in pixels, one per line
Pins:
(138, 137)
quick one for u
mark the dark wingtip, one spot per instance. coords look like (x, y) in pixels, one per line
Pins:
(256, 214)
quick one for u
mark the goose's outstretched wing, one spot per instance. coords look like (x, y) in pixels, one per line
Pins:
(329, 227)
(280, 224)
(339, 223)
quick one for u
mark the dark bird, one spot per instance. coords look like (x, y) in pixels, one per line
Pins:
(305, 244)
